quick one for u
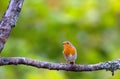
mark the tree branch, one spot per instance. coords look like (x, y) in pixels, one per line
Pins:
(109, 66)
(9, 19)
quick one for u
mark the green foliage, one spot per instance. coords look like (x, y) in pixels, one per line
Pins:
(91, 25)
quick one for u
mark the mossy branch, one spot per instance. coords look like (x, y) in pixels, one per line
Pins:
(109, 66)
(9, 20)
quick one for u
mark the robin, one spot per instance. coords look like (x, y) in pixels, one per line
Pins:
(69, 51)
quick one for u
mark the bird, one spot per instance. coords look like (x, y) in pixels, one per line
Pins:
(69, 52)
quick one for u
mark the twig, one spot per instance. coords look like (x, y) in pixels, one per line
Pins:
(9, 19)
(109, 66)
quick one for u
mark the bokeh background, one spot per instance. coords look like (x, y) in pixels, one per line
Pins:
(93, 26)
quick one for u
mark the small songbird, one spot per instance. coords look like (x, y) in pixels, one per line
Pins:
(69, 51)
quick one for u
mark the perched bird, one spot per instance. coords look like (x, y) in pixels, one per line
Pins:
(69, 52)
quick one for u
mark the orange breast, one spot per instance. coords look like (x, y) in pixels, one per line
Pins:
(69, 50)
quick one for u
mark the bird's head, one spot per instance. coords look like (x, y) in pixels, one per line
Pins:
(67, 43)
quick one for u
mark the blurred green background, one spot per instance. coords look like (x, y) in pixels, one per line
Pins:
(93, 26)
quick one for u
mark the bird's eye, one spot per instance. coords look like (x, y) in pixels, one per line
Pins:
(67, 42)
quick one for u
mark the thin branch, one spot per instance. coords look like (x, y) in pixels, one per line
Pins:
(110, 65)
(9, 19)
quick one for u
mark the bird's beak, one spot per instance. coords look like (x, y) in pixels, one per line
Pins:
(63, 44)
